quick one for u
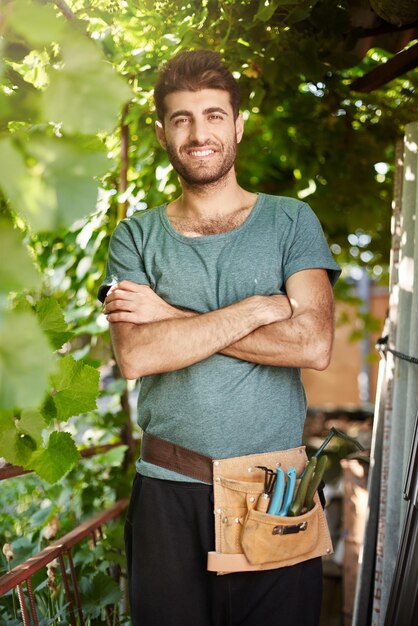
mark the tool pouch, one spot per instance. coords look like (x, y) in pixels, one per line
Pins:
(247, 539)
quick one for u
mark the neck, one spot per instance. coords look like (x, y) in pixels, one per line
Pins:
(219, 198)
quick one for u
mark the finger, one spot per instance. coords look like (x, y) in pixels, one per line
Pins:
(118, 305)
(119, 294)
(120, 316)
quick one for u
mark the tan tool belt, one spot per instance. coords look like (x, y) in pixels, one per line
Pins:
(247, 539)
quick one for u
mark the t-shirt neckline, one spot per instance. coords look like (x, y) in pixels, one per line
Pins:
(210, 238)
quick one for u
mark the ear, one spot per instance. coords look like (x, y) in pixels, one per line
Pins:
(159, 131)
(239, 127)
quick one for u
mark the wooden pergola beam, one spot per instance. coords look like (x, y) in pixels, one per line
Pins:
(396, 66)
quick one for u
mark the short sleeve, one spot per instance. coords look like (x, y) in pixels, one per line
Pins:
(125, 261)
(308, 248)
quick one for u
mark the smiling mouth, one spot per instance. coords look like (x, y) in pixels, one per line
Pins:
(201, 153)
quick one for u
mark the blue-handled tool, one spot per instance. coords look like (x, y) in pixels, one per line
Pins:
(276, 501)
(290, 490)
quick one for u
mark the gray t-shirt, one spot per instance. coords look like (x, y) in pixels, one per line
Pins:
(221, 406)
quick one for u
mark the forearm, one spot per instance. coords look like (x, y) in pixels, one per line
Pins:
(172, 344)
(302, 341)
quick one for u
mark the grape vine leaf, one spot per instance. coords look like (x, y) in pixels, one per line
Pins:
(35, 22)
(26, 360)
(75, 388)
(31, 423)
(56, 459)
(266, 10)
(60, 188)
(27, 194)
(98, 593)
(15, 446)
(17, 271)
(86, 94)
(69, 167)
(51, 320)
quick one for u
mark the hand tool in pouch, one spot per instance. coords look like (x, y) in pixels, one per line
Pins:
(297, 504)
(277, 498)
(314, 483)
(334, 432)
(290, 491)
(269, 479)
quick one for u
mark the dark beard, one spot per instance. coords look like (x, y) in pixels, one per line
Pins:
(201, 177)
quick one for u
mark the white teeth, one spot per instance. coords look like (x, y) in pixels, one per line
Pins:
(201, 152)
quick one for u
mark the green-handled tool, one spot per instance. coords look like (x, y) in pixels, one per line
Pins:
(334, 432)
(314, 483)
(298, 502)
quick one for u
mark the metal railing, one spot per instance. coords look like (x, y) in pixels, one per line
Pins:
(61, 550)
(59, 553)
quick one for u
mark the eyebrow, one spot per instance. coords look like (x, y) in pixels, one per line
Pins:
(185, 113)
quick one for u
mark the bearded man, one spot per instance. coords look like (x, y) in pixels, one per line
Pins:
(215, 301)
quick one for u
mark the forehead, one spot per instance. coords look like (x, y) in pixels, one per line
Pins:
(197, 101)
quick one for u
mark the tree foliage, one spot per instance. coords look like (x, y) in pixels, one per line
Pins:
(69, 70)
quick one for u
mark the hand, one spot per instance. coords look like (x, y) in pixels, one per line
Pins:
(275, 308)
(284, 307)
(136, 304)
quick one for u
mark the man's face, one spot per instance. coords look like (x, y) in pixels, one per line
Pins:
(200, 135)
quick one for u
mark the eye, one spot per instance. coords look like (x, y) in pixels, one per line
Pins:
(181, 121)
(216, 117)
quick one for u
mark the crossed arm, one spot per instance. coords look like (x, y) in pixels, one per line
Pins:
(150, 336)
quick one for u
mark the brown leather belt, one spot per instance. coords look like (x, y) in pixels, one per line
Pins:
(176, 458)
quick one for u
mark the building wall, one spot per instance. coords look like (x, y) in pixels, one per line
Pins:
(339, 384)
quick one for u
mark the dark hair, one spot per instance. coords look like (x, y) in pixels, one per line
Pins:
(194, 70)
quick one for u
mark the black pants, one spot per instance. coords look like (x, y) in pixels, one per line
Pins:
(169, 531)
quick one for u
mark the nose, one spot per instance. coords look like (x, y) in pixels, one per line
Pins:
(199, 132)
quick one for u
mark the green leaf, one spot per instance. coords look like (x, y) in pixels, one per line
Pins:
(99, 592)
(33, 68)
(20, 106)
(48, 409)
(76, 387)
(298, 15)
(15, 447)
(31, 423)
(86, 95)
(38, 23)
(70, 166)
(52, 322)
(26, 360)
(54, 461)
(267, 8)
(17, 270)
(5, 108)
(60, 187)
(28, 195)
(23, 549)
